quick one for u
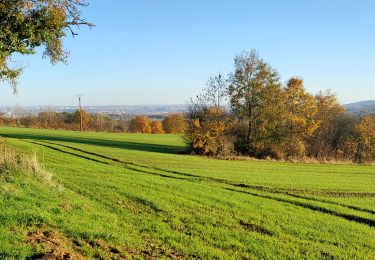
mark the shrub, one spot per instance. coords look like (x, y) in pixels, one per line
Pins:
(207, 132)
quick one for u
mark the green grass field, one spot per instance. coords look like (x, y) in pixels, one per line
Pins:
(139, 196)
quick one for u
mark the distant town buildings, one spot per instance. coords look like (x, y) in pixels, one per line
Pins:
(113, 111)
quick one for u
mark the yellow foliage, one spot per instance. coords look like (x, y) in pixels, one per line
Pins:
(366, 145)
(300, 109)
(175, 124)
(207, 132)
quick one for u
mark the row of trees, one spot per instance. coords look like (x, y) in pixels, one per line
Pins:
(250, 112)
(173, 124)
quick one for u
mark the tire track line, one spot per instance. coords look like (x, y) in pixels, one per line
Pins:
(350, 217)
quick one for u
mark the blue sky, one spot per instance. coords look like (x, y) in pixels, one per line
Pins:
(162, 52)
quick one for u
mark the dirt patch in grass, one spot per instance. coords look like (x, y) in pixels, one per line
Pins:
(66, 206)
(52, 245)
(155, 250)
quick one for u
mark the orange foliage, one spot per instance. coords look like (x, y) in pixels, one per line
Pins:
(140, 124)
(85, 118)
(157, 127)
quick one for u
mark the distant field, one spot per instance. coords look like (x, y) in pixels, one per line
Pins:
(121, 195)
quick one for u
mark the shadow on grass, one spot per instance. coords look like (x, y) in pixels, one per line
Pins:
(146, 147)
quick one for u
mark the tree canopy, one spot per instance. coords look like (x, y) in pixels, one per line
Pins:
(255, 97)
(300, 109)
(140, 124)
(268, 118)
(29, 24)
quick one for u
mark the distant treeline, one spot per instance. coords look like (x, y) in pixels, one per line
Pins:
(266, 118)
(171, 124)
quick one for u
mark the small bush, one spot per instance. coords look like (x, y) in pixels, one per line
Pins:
(207, 132)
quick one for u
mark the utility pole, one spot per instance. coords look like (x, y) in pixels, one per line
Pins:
(80, 111)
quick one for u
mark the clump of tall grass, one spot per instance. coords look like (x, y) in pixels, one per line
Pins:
(12, 161)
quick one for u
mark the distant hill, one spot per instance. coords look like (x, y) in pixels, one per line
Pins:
(367, 106)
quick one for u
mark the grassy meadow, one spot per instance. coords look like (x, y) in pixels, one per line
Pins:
(139, 196)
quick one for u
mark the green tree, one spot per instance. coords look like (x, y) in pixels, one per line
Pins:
(28, 24)
(256, 99)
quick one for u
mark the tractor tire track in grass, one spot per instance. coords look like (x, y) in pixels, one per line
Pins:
(154, 173)
(102, 162)
(66, 152)
(124, 162)
(288, 192)
(350, 217)
(292, 193)
(243, 185)
(146, 206)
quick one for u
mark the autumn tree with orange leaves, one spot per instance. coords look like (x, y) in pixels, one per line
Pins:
(366, 140)
(174, 124)
(300, 109)
(255, 96)
(267, 119)
(157, 127)
(208, 122)
(140, 124)
(85, 118)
